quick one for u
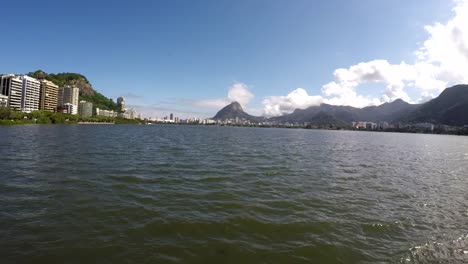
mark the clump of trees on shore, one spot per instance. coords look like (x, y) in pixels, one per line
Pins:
(11, 117)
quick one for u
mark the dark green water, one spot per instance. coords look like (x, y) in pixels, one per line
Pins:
(193, 194)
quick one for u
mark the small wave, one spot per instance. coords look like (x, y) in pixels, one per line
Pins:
(128, 179)
(213, 179)
(442, 251)
(383, 229)
(350, 171)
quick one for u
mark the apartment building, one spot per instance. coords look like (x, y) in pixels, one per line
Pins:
(30, 94)
(69, 95)
(48, 96)
(11, 89)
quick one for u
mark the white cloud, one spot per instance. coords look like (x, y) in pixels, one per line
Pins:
(240, 92)
(447, 45)
(279, 105)
(395, 77)
(346, 95)
(254, 111)
(441, 61)
(425, 97)
(237, 92)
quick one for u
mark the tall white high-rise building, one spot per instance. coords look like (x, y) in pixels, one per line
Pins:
(31, 93)
(11, 87)
(69, 95)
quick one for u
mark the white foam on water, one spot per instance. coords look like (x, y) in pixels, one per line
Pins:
(454, 250)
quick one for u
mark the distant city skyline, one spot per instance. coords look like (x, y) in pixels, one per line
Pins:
(192, 58)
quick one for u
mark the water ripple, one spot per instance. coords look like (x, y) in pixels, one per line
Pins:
(190, 194)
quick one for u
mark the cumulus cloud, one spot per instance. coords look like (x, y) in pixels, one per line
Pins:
(447, 45)
(441, 61)
(395, 77)
(279, 105)
(425, 97)
(239, 92)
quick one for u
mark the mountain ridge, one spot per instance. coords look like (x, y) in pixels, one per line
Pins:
(449, 108)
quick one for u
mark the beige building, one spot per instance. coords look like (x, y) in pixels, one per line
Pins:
(69, 95)
(49, 96)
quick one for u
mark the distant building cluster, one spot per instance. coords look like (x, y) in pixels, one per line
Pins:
(124, 112)
(27, 94)
(371, 125)
(171, 119)
(396, 126)
(233, 121)
(423, 127)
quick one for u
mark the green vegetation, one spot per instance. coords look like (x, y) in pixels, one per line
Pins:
(100, 101)
(121, 121)
(11, 117)
(60, 79)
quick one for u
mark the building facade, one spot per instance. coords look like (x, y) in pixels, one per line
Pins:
(121, 104)
(49, 96)
(67, 108)
(11, 87)
(30, 94)
(107, 113)
(3, 100)
(129, 114)
(85, 109)
(69, 95)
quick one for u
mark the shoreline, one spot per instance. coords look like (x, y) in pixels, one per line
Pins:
(96, 123)
(465, 133)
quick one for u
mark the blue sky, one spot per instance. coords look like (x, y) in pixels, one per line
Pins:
(184, 56)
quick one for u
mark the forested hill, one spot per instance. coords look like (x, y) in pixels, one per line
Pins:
(87, 92)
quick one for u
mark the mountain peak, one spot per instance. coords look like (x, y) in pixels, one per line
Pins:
(235, 106)
(232, 111)
(457, 89)
(399, 101)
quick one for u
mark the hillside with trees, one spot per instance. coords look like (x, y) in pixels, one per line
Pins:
(87, 92)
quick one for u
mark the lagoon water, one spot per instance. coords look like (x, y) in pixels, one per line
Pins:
(194, 194)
